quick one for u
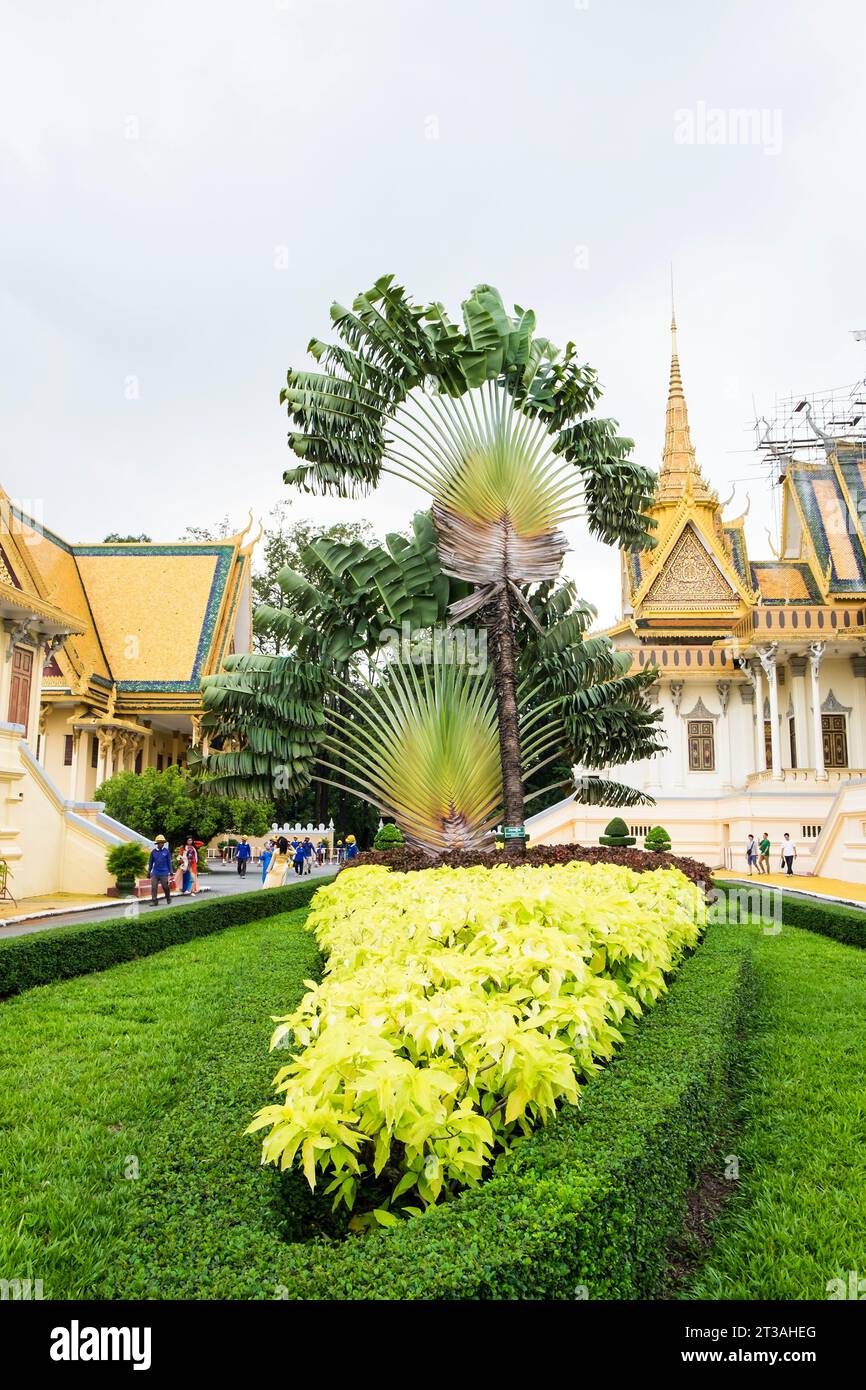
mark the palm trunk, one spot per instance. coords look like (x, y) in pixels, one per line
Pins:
(504, 657)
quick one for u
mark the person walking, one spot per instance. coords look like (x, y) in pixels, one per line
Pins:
(159, 870)
(243, 855)
(351, 847)
(751, 853)
(189, 862)
(298, 857)
(764, 856)
(789, 854)
(267, 856)
(308, 854)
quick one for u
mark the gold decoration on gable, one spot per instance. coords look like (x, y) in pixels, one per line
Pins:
(690, 580)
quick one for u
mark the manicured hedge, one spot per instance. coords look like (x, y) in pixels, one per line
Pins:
(836, 920)
(408, 860)
(591, 1200)
(56, 953)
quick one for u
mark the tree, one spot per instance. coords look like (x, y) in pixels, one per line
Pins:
(494, 423)
(286, 546)
(172, 804)
(114, 538)
(421, 746)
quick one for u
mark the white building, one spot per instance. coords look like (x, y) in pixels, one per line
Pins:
(761, 666)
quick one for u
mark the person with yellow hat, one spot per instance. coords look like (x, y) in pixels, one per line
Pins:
(159, 869)
(351, 847)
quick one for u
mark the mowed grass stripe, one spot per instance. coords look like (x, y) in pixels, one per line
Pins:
(798, 1215)
(91, 1068)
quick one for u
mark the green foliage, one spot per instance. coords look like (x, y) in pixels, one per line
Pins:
(115, 538)
(616, 834)
(126, 861)
(389, 837)
(135, 1052)
(41, 957)
(658, 840)
(170, 803)
(839, 921)
(460, 1007)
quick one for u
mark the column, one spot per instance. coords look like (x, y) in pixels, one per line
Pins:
(747, 696)
(816, 653)
(767, 658)
(677, 732)
(760, 745)
(797, 665)
(723, 689)
(857, 721)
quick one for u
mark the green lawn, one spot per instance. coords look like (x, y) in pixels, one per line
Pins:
(798, 1216)
(97, 1074)
(155, 1067)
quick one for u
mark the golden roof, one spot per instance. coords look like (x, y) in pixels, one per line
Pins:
(679, 476)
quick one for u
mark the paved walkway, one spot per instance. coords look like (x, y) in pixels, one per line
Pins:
(811, 885)
(220, 882)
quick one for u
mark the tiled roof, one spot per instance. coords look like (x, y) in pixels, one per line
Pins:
(784, 581)
(830, 525)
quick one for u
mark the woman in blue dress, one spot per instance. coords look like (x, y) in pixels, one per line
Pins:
(267, 856)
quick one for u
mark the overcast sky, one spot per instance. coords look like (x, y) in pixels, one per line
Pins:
(188, 185)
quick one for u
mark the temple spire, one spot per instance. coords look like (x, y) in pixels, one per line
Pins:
(680, 475)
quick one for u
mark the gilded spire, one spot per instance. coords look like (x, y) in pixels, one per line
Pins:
(680, 475)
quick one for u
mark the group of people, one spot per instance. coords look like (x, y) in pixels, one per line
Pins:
(300, 855)
(295, 856)
(164, 874)
(758, 854)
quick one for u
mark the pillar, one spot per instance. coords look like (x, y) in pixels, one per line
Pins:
(799, 704)
(816, 654)
(723, 689)
(760, 746)
(677, 732)
(767, 658)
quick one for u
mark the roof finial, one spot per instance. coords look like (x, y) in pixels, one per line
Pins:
(680, 475)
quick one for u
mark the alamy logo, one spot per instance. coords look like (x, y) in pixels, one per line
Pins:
(76, 1343)
(20, 1288)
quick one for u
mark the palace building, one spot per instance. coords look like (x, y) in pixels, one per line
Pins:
(102, 652)
(761, 663)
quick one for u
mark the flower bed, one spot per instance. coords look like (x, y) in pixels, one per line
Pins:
(459, 1008)
(641, 861)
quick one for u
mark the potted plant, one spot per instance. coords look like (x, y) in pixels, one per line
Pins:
(127, 862)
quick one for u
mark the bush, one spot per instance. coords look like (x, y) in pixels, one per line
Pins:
(458, 1009)
(126, 862)
(657, 840)
(389, 837)
(616, 834)
(60, 952)
(408, 860)
(835, 920)
(591, 1199)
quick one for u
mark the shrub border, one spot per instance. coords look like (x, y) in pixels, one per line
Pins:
(591, 1200)
(838, 921)
(59, 953)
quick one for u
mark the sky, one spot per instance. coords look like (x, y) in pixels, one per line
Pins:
(187, 186)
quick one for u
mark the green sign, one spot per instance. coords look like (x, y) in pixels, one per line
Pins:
(514, 832)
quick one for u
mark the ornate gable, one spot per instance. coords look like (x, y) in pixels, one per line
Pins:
(690, 581)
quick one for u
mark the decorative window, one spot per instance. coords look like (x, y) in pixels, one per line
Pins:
(94, 751)
(639, 831)
(159, 762)
(67, 751)
(811, 832)
(139, 758)
(834, 733)
(702, 752)
(792, 735)
(768, 743)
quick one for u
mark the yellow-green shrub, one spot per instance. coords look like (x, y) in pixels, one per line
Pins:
(459, 1007)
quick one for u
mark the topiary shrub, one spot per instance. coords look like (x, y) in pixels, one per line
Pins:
(658, 840)
(389, 837)
(616, 834)
(126, 862)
